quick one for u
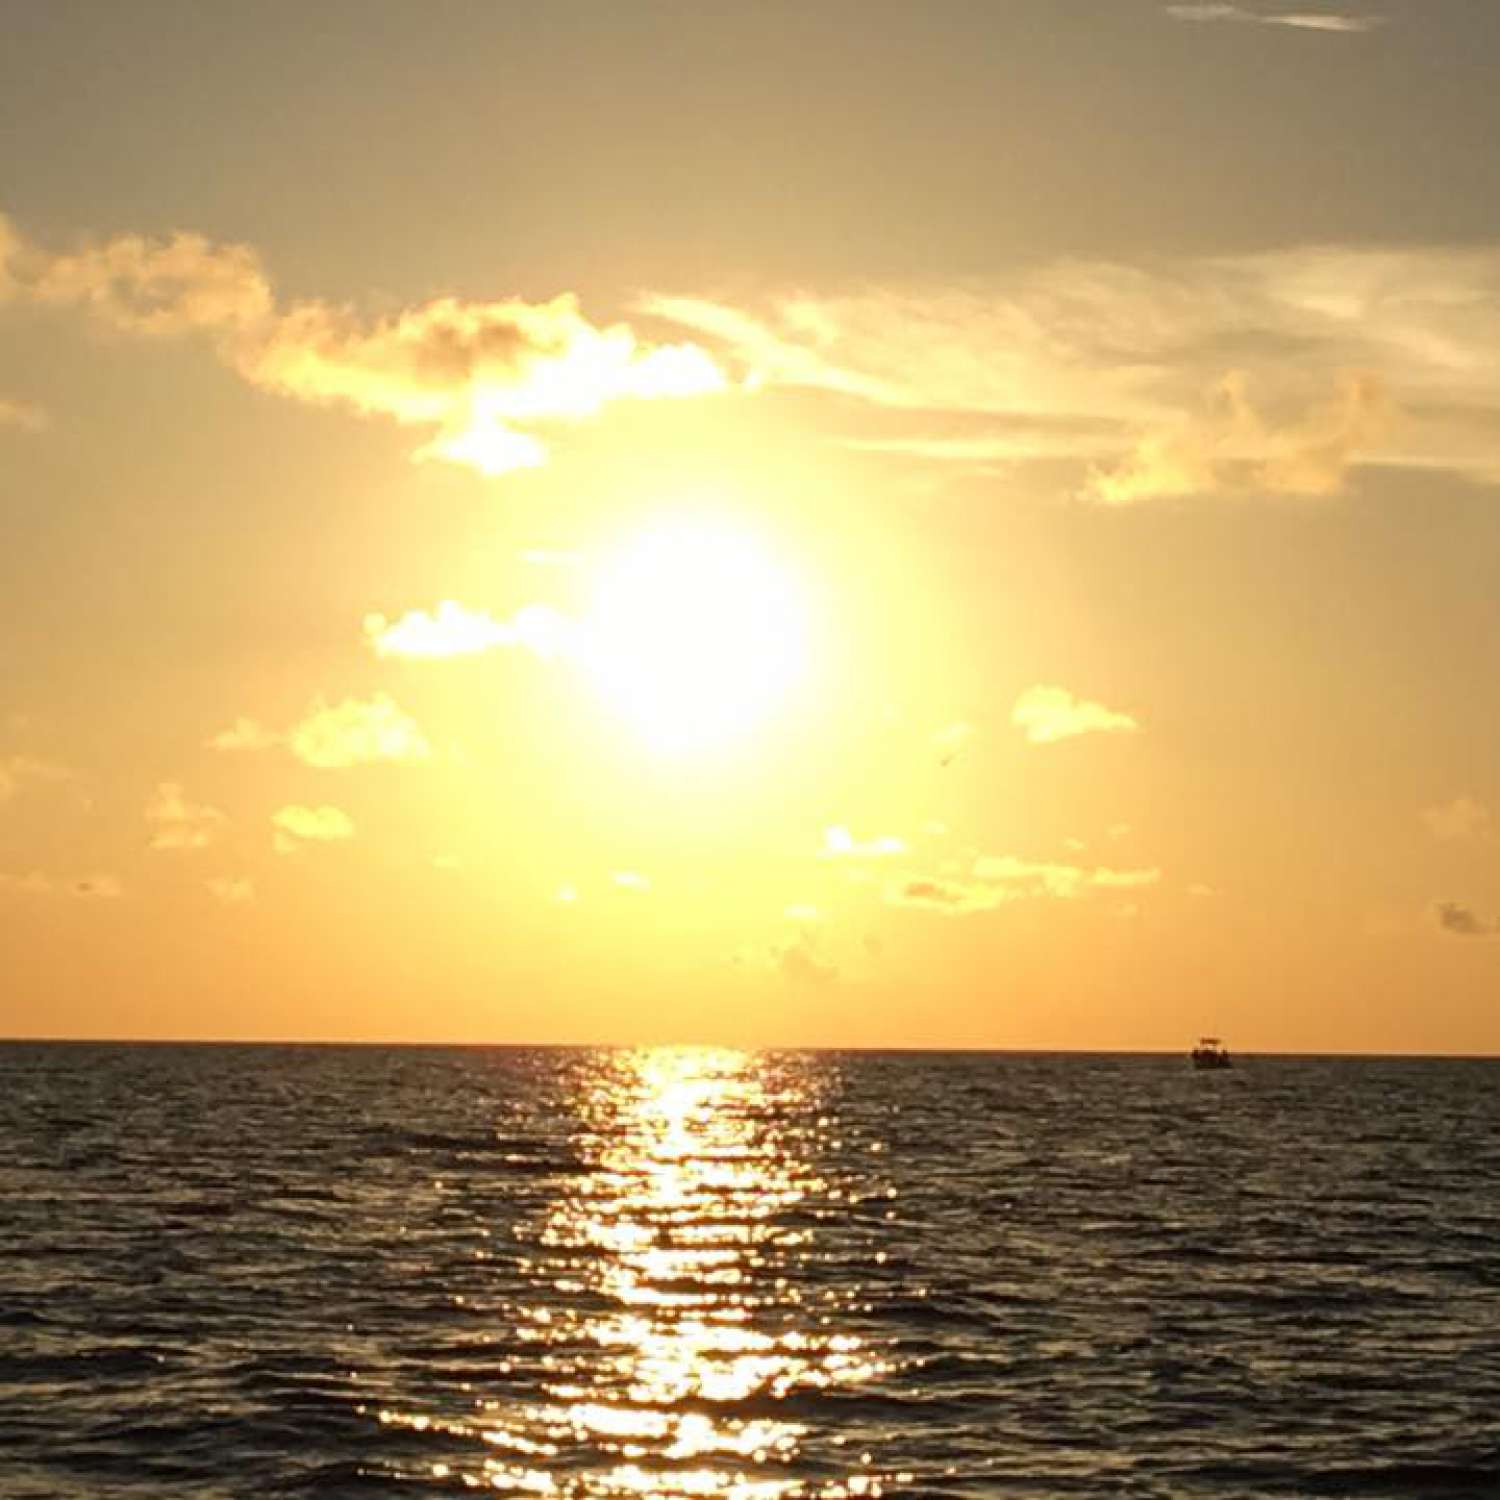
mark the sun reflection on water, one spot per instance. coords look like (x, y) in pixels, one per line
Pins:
(679, 1340)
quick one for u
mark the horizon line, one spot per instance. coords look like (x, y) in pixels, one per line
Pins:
(830, 1047)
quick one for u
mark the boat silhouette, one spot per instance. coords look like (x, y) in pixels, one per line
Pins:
(1210, 1053)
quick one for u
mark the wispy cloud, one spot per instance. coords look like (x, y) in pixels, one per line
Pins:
(1344, 22)
(1462, 921)
(1047, 714)
(1044, 878)
(480, 377)
(16, 769)
(232, 890)
(26, 415)
(35, 883)
(996, 879)
(801, 962)
(1462, 818)
(178, 824)
(1278, 373)
(948, 896)
(950, 741)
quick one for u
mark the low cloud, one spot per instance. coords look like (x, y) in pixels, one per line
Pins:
(357, 732)
(1463, 921)
(1047, 714)
(478, 376)
(1462, 818)
(839, 843)
(453, 630)
(178, 824)
(244, 734)
(297, 824)
(330, 736)
(631, 880)
(481, 374)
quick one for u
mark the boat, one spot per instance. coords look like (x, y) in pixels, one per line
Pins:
(1210, 1053)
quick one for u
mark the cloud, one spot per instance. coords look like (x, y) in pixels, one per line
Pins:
(1123, 879)
(995, 880)
(1047, 714)
(1230, 447)
(1463, 818)
(631, 880)
(296, 824)
(1332, 21)
(232, 890)
(355, 733)
(244, 734)
(951, 897)
(1029, 877)
(10, 249)
(16, 769)
(98, 887)
(839, 843)
(478, 375)
(950, 741)
(159, 287)
(800, 963)
(179, 824)
(1462, 921)
(350, 733)
(1229, 375)
(453, 630)
(26, 415)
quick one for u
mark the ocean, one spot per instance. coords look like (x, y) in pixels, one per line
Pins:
(383, 1271)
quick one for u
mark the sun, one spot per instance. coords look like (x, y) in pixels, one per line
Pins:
(697, 632)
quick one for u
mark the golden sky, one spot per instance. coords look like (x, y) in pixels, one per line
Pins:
(970, 524)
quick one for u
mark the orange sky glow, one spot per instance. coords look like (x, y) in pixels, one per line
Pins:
(969, 525)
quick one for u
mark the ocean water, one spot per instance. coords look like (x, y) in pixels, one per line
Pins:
(284, 1271)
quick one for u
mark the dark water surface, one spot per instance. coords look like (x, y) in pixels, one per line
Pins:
(254, 1271)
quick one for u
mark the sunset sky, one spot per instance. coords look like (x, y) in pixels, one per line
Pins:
(843, 523)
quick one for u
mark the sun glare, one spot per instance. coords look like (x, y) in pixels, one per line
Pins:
(696, 633)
